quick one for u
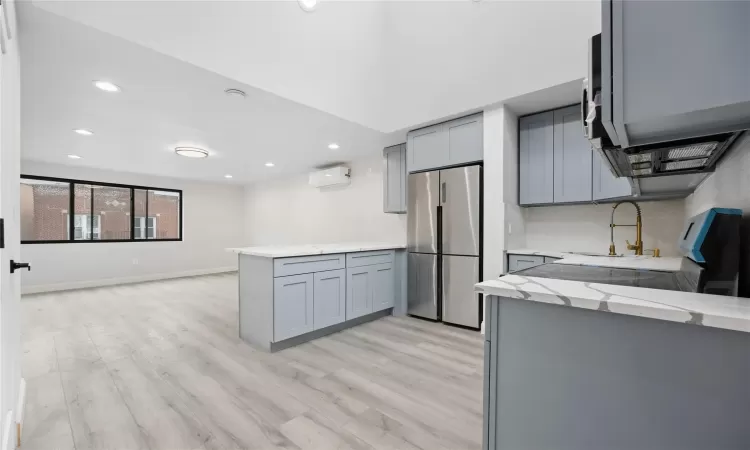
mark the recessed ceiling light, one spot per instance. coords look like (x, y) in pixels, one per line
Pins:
(227, 176)
(191, 152)
(269, 164)
(107, 86)
(333, 146)
(308, 5)
(74, 157)
(235, 93)
(84, 132)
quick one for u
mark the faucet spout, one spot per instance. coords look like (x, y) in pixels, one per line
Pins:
(638, 246)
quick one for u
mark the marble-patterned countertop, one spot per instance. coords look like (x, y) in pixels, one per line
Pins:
(286, 251)
(667, 264)
(731, 313)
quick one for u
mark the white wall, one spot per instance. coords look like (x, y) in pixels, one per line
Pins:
(213, 219)
(586, 227)
(288, 211)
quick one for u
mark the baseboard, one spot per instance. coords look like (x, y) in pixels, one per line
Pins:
(20, 411)
(40, 288)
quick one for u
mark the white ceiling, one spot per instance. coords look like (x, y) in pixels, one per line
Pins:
(387, 66)
(164, 102)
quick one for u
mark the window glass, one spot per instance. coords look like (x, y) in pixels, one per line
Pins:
(111, 217)
(140, 197)
(44, 210)
(82, 229)
(163, 214)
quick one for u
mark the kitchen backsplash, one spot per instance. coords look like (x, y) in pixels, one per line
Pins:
(586, 227)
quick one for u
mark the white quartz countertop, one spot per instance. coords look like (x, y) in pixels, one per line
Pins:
(286, 251)
(731, 313)
(667, 264)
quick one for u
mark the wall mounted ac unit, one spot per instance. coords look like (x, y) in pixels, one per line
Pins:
(333, 176)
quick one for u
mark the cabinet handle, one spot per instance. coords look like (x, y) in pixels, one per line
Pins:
(369, 256)
(306, 262)
(526, 260)
(442, 192)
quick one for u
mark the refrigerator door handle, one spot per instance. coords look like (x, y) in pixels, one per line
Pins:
(442, 192)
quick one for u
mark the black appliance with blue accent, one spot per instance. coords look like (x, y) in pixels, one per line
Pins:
(712, 240)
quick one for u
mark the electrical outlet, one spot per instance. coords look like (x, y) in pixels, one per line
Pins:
(135, 261)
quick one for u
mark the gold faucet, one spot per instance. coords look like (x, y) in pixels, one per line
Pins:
(638, 246)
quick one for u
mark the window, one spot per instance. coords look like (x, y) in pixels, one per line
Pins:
(101, 212)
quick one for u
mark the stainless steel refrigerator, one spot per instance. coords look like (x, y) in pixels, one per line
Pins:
(444, 221)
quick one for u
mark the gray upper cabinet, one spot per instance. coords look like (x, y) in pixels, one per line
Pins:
(394, 179)
(536, 159)
(427, 148)
(292, 306)
(329, 298)
(465, 139)
(453, 143)
(572, 156)
(605, 185)
(358, 292)
(679, 69)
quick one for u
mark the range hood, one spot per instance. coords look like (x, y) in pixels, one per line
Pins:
(681, 157)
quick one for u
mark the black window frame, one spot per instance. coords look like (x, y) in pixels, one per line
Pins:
(71, 214)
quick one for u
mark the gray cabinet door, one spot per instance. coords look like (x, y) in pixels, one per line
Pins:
(536, 159)
(427, 148)
(679, 69)
(572, 156)
(329, 298)
(394, 179)
(292, 306)
(605, 184)
(465, 139)
(383, 280)
(520, 262)
(358, 292)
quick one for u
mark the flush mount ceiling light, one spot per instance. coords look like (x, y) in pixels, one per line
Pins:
(74, 157)
(333, 146)
(269, 164)
(83, 132)
(227, 176)
(308, 5)
(191, 152)
(235, 93)
(106, 86)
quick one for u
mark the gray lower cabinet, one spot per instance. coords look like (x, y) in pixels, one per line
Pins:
(383, 291)
(572, 156)
(358, 292)
(536, 159)
(394, 179)
(293, 306)
(329, 298)
(453, 143)
(520, 262)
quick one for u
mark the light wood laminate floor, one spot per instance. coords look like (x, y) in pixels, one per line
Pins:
(160, 366)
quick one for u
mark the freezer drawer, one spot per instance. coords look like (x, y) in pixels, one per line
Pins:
(422, 285)
(421, 218)
(460, 302)
(459, 198)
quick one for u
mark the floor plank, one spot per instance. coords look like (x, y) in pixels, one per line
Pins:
(159, 366)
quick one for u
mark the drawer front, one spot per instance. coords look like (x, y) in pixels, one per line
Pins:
(360, 259)
(520, 262)
(307, 264)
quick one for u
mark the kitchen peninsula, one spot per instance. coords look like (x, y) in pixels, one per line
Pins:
(292, 294)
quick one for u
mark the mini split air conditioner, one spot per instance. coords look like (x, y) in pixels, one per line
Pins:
(333, 176)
